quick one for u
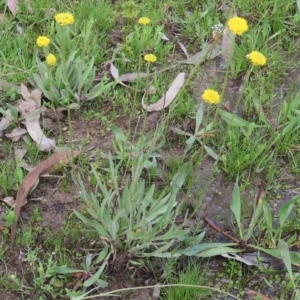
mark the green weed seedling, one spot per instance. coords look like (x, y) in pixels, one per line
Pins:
(193, 275)
(90, 271)
(280, 248)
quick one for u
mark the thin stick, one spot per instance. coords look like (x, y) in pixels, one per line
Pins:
(218, 229)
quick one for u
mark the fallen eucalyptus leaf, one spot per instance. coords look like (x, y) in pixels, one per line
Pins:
(164, 37)
(29, 107)
(184, 50)
(227, 45)
(12, 5)
(32, 178)
(168, 97)
(16, 134)
(114, 71)
(132, 77)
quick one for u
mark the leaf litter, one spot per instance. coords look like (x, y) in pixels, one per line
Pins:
(16, 134)
(30, 109)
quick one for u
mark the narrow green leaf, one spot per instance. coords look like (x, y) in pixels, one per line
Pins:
(235, 204)
(102, 255)
(257, 213)
(194, 240)
(180, 176)
(179, 131)
(190, 140)
(285, 255)
(163, 248)
(234, 120)
(286, 209)
(199, 117)
(95, 277)
(67, 270)
(170, 235)
(88, 69)
(193, 250)
(218, 251)
(118, 133)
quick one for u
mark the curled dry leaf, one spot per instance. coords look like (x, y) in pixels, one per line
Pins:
(115, 74)
(29, 110)
(10, 201)
(184, 50)
(5, 121)
(208, 52)
(164, 37)
(156, 293)
(31, 179)
(251, 293)
(249, 262)
(168, 97)
(19, 155)
(16, 134)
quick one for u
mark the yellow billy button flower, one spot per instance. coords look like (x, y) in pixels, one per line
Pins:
(257, 58)
(150, 58)
(51, 60)
(64, 19)
(211, 96)
(237, 25)
(42, 41)
(144, 21)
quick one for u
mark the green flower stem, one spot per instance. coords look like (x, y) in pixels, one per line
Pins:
(61, 31)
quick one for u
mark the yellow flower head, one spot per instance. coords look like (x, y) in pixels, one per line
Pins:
(257, 58)
(237, 25)
(144, 21)
(50, 60)
(42, 41)
(64, 19)
(211, 96)
(150, 58)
